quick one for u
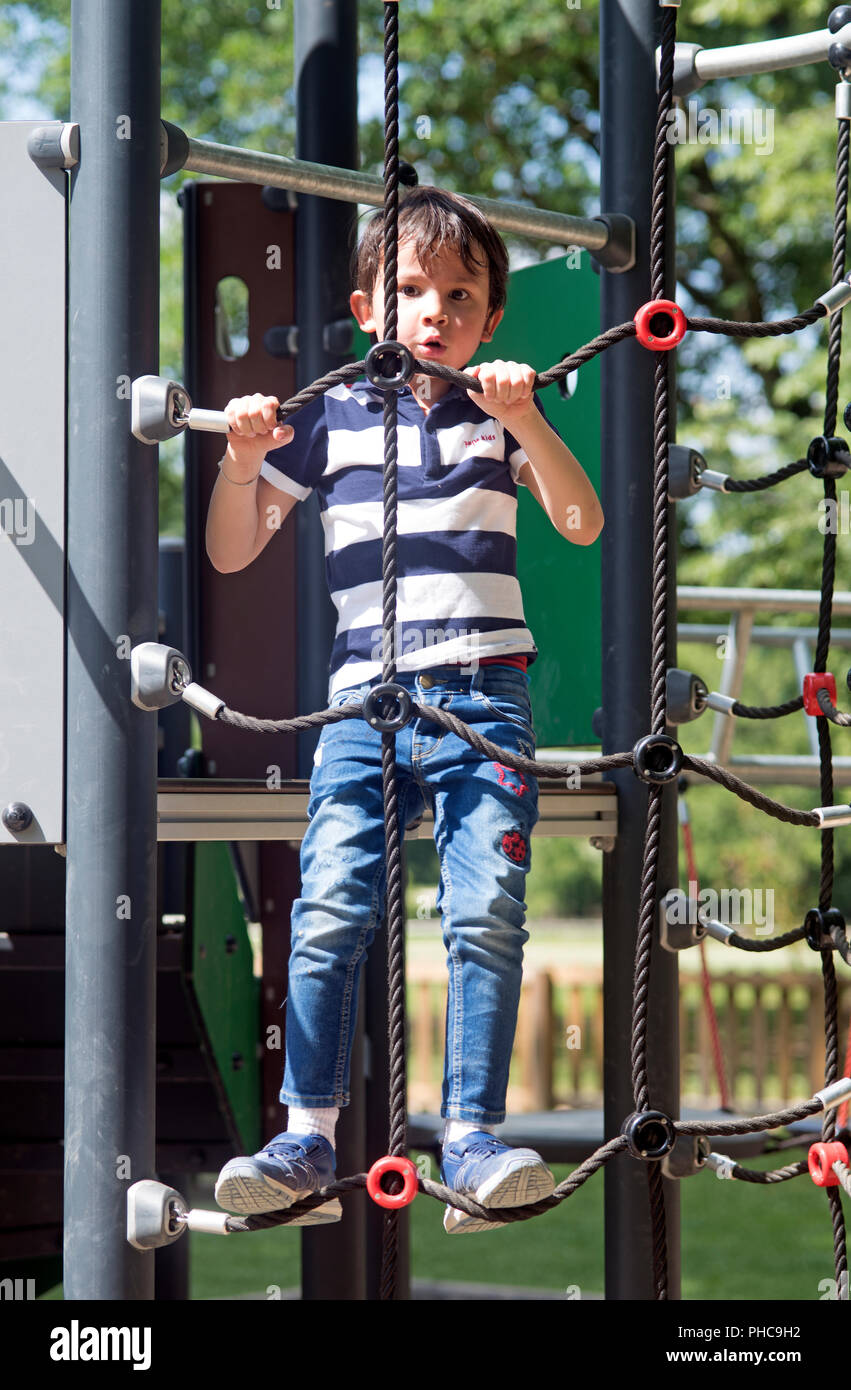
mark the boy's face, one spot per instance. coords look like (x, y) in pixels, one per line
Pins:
(442, 314)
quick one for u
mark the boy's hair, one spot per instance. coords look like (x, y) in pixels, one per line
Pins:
(433, 218)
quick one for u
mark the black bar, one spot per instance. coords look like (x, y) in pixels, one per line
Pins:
(325, 68)
(113, 321)
(629, 34)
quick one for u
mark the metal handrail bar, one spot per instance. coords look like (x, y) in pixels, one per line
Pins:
(352, 186)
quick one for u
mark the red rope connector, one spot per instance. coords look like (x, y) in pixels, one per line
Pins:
(818, 680)
(820, 1161)
(650, 339)
(392, 1200)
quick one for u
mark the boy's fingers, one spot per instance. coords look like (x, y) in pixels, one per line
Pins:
(252, 415)
(264, 413)
(503, 383)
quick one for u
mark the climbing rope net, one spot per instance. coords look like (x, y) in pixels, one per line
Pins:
(646, 1134)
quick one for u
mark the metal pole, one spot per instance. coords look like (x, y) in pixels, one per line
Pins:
(771, 55)
(691, 596)
(111, 605)
(328, 181)
(325, 69)
(629, 31)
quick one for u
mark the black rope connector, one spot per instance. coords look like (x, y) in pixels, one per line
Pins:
(822, 928)
(839, 57)
(387, 708)
(657, 758)
(685, 695)
(828, 456)
(389, 365)
(649, 1134)
(838, 18)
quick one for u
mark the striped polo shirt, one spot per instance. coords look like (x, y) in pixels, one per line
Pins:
(458, 597)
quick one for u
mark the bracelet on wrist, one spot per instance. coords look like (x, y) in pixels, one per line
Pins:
(233, 481)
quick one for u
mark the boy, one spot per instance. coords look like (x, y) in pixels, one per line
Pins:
(461, 644)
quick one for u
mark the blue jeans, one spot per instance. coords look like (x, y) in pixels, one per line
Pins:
(483, 818)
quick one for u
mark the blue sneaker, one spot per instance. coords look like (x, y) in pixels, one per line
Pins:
(494, 1175)
(290, 1167)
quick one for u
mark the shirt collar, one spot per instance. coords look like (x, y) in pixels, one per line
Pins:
(363, 386)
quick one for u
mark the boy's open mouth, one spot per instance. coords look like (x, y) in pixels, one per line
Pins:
(432, 345)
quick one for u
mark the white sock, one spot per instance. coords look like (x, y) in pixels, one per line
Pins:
(459, 1129)
(322, 1120)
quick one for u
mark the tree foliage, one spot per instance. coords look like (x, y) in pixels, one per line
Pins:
(504, 100)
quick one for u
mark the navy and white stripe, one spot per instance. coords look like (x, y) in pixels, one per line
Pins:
(458, 595)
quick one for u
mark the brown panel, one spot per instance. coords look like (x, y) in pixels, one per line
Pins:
(30, 1199)
(247, 632)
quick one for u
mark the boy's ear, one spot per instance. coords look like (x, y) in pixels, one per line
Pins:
(492, 324)
(361, 307)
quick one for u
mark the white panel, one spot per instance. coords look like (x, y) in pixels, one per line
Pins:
(32, 487)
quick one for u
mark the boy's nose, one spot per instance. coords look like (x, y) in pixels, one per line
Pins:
(434, 309)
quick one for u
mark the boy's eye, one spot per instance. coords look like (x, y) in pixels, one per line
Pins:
(414, 289)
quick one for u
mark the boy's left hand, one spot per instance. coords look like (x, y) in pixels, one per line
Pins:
(506, 390)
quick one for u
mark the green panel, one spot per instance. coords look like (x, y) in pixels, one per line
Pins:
(554, 308)
(227, 990)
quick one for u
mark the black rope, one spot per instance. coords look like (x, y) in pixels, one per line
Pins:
(746, 943)
(575, 1180)
(767, 479)
(831, 1014)
(550, 770)
(649, 892)
(768, 711)
(844, 1175)
(398, 1139)
(767, 1179)
(753, 795)
(754, 1124)
(828, 708)
(498, 1216)
(617, 334)
(734, 329)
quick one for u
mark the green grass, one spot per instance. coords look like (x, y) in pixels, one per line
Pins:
(740, 1242)
(237, 1266)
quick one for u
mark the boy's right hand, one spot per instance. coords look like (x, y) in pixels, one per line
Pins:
(254, 430)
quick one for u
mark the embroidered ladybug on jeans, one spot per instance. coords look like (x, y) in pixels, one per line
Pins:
(514, 845)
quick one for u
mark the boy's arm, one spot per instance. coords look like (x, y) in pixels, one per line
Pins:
(267, 469)
(240, 523)
(239, 512)
(559, 482)
(552, 474)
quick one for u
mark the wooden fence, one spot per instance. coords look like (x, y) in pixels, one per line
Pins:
(771, 1029)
